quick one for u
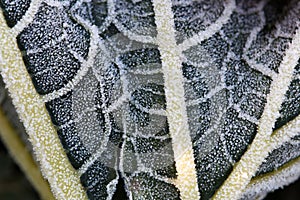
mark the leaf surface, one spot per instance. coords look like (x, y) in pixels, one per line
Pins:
(161, 99)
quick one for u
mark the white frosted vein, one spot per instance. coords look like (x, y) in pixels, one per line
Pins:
(255, 155)
(209, 95)
(124, 30)
(176, 108)
(97, 154)
(133, 36)
(244, 115)
(253, 35)
(60, 4)
(260, 67)
(212, 29)
(108, 127)
(85, 64)
(146, 72)
(27, 18)
(160, 112)
(278, 179)
(256, 30)
(118, 103)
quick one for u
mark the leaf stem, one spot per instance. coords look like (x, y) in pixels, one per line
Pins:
(23, 158)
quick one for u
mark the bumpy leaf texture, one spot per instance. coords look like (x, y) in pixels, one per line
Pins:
(102, 71)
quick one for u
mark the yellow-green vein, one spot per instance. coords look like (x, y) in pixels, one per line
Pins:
(64, 180)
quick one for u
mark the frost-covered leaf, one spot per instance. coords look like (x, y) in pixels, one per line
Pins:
(162, 99)
(192, 17)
